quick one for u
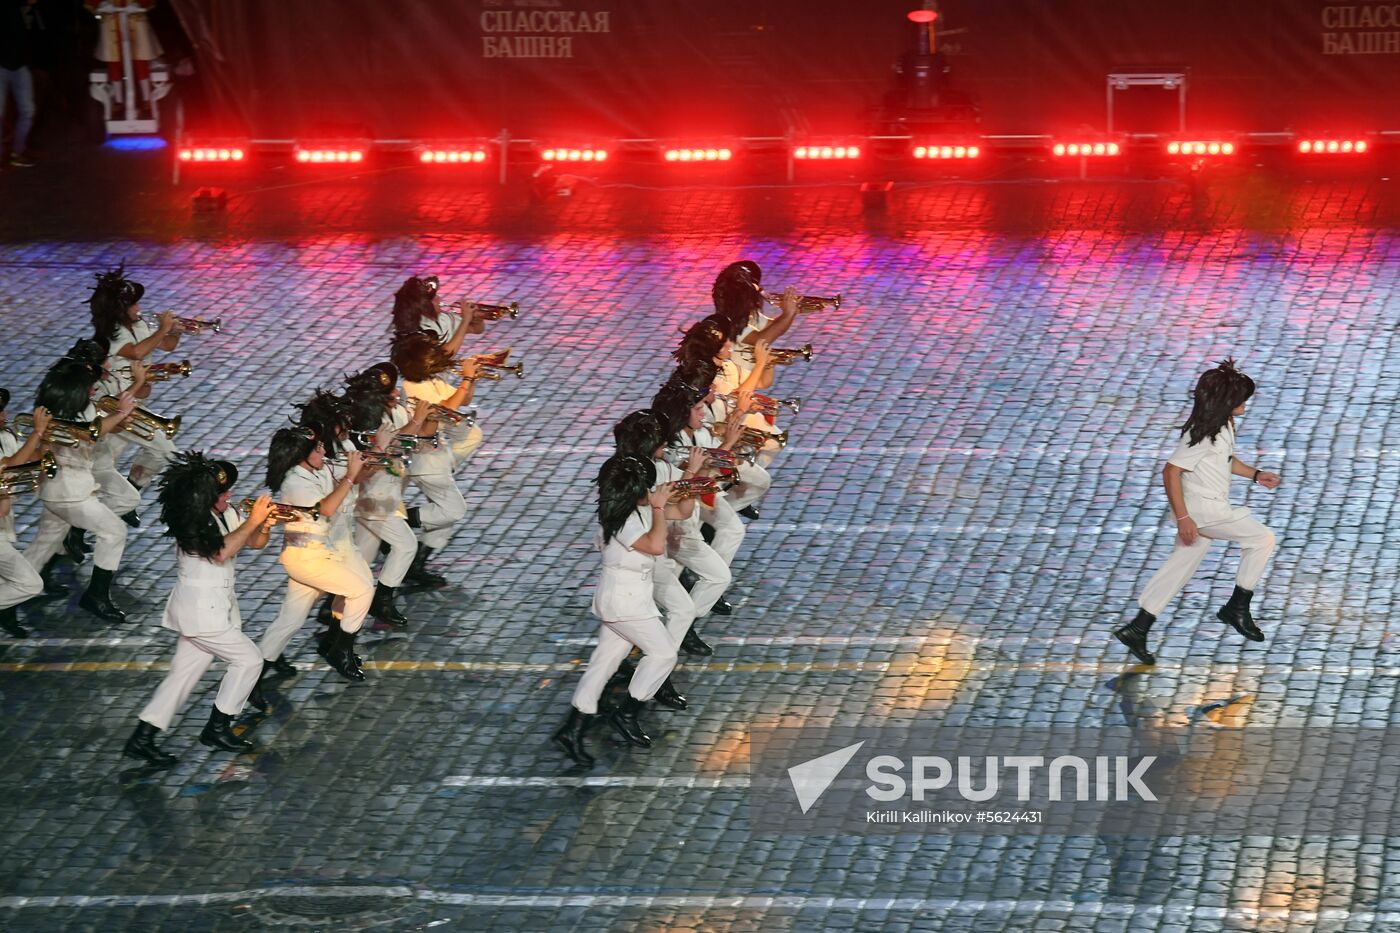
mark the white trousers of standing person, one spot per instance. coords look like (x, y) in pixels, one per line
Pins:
(18, 580)
(463, 442)
(87, 514)
(193, 655)
(1256, 541)
(311, 571)
(113, 489)
(154, 455)
(672, 598)
(615, 641)
(754, 482)
(729, 529)
(393, 531)
(444, 510)
(692, 552)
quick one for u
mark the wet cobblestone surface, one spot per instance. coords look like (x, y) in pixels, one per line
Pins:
(970, 501)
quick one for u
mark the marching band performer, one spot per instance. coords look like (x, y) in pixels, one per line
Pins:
(739, 301)
(19, 581)
(375, 418)
(203, 607)
(298, 475)
(1197, 482)
(418, 309)
(116, 321)
(71, 497)
(632, 537)
(422, 361)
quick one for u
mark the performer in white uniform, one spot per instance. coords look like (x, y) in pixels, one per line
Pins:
(423, 363)
(632, 535)
(116, 321)
(71, 497)
(375, 419)
(1197, 481)
(203, 607)
(19, 581)
(298, 475)
(418, 309)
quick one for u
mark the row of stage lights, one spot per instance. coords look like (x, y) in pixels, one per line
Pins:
(950, 151)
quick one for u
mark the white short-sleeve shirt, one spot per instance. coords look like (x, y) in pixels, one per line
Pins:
(430, 460)
(305, 488)
(127, 334)
(1207, 465)
(624, 591)
(443, 326)
(74, 481)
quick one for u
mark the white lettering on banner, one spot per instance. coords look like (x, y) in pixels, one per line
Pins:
(1115, 778)
(546, 25)
(1375, 29)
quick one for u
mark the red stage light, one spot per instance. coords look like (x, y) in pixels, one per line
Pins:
(709, 154)
(451, 156)
(922, 16)
(951, 151)
(1200, 148)
(1334, 146)
(1090, 150)
(212, 154)
(574, 155)
(332, 156)
(826, 152)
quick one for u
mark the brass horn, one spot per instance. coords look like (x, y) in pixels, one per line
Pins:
(785, 355)
(190, 325)
(491, 312)
(806, 304)
(283, 513)
(26, 477)
(142, 423)
(64, 433)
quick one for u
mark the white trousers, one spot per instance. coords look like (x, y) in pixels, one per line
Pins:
(393, 531)
(18, 580)
(729, 529)
(692, 552)
(311, 571)
(463, 443)
(615, 641)
(754, 482)
(113, 489)
(444, 510)
(152, 458)
(89, 515)
(672, 598)
(193, 655)
(1256, 542)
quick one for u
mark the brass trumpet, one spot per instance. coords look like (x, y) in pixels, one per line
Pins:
(142, 423)
(381, 458)
(283, 513)
(160, 372)
(495, 372)
(415, 443)
(26, 477)
(694, 488)
(189, 325)
(496, 312)
(806, 304)
(64, 433)
(443, 413)
(752, 437)
(782, 356)
(766, 404)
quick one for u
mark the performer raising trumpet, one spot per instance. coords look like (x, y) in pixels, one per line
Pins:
(19, 581)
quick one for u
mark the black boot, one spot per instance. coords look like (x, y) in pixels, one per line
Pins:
(707, 531)
(570, 737)
(668, 696)
(624, 722)
(132, 519)
(52, 587)
(383, 607)
(723, 607)
(623, 675)
(384, 548)
(338, 649)
(749, 512)
(74, 546)
(1134, 636)
(142, 744)
(257, 700)
(281, 665)
(418, 572)
(218, 733)
(9, 621)
(325, 615)
(1235, 614)
(692, 644)
(688, 578)
(97, 598)
(414, 517)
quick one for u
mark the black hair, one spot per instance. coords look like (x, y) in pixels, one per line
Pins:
(672, 406)
(64, 390)
(736, 294)
(189, 487)
(1218, 393)
(639, 434)
(290, 446)
(621, 482)
(413, 302)
(90, 351)
(325, 415)
(419, 356)
(702, 341)
(697, 374)
(111, 299)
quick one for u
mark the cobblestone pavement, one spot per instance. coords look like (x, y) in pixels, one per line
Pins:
(970, 502)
